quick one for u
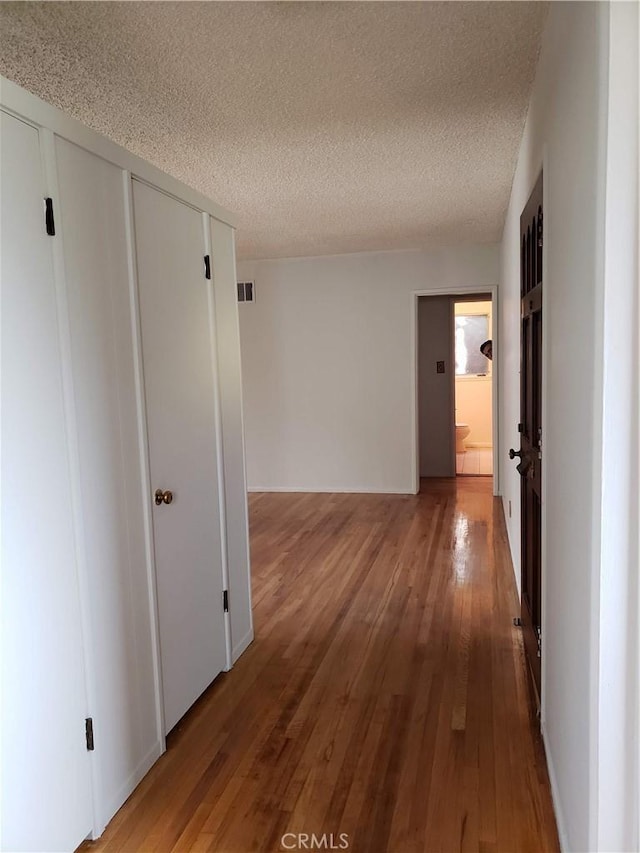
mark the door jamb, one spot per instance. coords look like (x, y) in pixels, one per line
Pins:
(465, 290)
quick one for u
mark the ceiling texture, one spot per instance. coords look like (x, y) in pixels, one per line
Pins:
(326, 127)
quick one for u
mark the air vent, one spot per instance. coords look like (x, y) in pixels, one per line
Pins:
(246, 291)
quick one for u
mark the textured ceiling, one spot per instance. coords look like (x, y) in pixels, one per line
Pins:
(325, 127)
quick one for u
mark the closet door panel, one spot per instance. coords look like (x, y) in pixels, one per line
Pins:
(230, 371)
(46, 786)
(126, 726)
(178, 355)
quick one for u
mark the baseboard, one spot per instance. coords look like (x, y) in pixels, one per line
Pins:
(242, 646)
(336, 490)
(555, 795)
(510, 543)
(127, 788)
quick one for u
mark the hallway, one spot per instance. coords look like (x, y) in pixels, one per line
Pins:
(384, 696)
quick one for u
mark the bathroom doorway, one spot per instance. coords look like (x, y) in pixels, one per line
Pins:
(473, 348)
(438, 369)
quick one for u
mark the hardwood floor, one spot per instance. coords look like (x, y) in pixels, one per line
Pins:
(384, 696)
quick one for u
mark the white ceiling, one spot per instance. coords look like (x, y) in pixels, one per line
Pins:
(325, 127)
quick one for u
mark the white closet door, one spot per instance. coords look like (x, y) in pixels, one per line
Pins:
(46, 786)
(91, 216)
(230, 372)
(178, 351)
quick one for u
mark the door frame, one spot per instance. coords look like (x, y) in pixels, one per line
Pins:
(464, 290)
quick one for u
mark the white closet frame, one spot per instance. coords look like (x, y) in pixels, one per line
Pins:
(51, 122)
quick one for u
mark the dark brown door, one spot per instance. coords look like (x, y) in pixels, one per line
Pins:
(530, 426)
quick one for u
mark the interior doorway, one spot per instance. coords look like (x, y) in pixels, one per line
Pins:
(473, 391)
(433, 326)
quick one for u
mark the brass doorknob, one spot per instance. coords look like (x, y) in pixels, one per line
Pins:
(161, 497)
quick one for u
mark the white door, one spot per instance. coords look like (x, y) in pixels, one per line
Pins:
(178, 349)
(46, 784)
(90, 211)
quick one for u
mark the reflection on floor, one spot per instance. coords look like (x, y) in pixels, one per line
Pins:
(476, 461)
(385, 696)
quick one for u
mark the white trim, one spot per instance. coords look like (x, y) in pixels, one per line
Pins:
(463, 290)
(597, 447)
(453, 462)
(24, 105)
(222, 499)
(129, 785)
(546, 355)
(555, 794)
(243, 645)
(145, 472)
(338, 490)
(244, 452)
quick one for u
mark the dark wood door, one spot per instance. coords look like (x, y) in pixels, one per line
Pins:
(530, 426)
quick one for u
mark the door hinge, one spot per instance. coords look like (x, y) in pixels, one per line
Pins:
(539, 639)
(49, 222)
(207, 266)
(520, 427)
(225, 601)
(88, 730)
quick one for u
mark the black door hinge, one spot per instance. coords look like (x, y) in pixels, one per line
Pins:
(520, 427)
(225, 601)
(207, 266)
(48, 217)
(88, 730)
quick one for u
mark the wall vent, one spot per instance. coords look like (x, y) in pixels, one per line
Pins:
(246, 291)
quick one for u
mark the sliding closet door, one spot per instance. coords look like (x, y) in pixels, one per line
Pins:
(91, 217)
(178, 354)
(46, 785)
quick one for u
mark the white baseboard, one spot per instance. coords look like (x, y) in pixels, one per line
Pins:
(336, 490)
(555, 795)
(242, 646)
(512, 551)
(128, 787)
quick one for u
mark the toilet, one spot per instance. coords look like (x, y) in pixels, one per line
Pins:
(462, 431)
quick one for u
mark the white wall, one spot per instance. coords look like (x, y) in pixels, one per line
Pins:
(328, 365)
(618, 790)
(435, 390)
(566, 127)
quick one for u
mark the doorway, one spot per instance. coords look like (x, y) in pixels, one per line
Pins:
(434, 373)
(473, 347)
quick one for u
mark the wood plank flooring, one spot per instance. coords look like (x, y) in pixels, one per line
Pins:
(384, 697)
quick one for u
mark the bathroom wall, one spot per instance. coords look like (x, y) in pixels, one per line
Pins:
(473, 393)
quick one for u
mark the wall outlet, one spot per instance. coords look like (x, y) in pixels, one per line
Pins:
(509, 509)
(439, 366)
